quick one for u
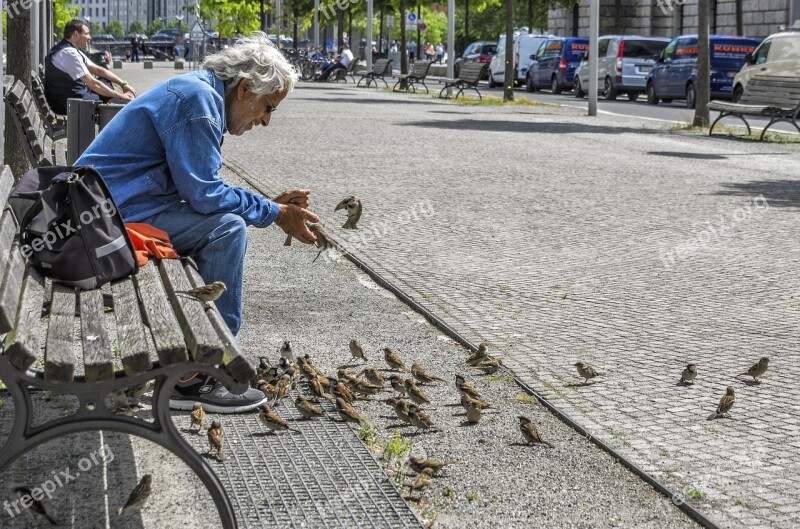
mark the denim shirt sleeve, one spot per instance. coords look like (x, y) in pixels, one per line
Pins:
(193, 151)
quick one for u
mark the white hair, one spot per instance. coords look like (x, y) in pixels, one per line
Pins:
(255, 58)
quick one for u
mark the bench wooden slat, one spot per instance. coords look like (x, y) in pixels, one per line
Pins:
(238, 366)
(6, 183)
(203, 342)
(47, 150)
(164, 327)
(8, 229)
(10, 290)
(59, 352)
(22, 345)
(131, 333)
(98, 358)
(60, 152)
(14, 95)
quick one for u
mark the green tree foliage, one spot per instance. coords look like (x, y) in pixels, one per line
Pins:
(154, 27)
(96, 28)
(116, 29)
(233, 17)
(136, 27)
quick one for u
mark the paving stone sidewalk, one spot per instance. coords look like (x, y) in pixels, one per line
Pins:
(557, 238)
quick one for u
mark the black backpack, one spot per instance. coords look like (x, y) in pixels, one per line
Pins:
(70, 228)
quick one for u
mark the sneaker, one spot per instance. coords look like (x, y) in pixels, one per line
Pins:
(214, 397)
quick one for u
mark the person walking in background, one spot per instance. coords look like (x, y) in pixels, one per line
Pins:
(429, 52)
(134, 49)
(439, 52)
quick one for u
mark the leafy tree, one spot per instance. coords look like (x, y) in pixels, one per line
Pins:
(62, 13)
(96, 28)
(154, 27)
(116, 29)
(136, 27)
(234, 17)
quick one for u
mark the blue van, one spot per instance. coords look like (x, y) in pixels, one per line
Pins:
(675, 73)
(554, 64)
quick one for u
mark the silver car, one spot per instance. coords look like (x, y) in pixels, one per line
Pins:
(622, 65)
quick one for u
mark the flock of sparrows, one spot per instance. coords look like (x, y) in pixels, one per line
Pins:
(688, 377)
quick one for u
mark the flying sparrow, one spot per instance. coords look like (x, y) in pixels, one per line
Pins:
(306, 409)
(36, 507)
(419, 464)
(393, 360)
(489, 366)
(423, 479)
(198, 417)
(530, 432)
(353, 206)
(756, 370)
(398, 384)
(725, 404)
(139, 494)
(215, 439)
(480, 355)
(346, 412)
(473, 409)
(689, 374)
(286, 351)
(416, 395)
(206, 293)
(465, 388)
(423, 377)
(356, 350)
(586, 371)
(324, 241)
(273, 421)
(374, 376)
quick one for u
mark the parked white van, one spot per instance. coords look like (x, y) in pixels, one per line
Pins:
(525, 46)
(778, 54)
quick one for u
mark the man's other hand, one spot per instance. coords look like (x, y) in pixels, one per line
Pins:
(298, 197)
(128, 89)
(292, 220)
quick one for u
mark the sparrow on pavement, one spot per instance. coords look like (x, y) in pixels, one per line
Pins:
(473, 410)
(419, 464)
(489, 366)
(316, 388)
(393, 360)
(374, 376)
(420, 419)
(465, 388)
(139, 494)
(356, 350)
(400, 408)
(134, 393)
(689, 374)
(586, 371)
(346, 412)
(341, 391)
(416, 395)
(398, 384)
(758, 369)
(422, 376)
(480, 355)
(725, 404)
(530, 432)
(198, 417)
(36, 508)
(423, 479)
(306, 409)
(353, 207)
(469, 401)
(273, 421)
(286, 351)
(215, 439)
(206, 293)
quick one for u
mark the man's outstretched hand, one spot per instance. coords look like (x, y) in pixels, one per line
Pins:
(298, 197)
(292, 220)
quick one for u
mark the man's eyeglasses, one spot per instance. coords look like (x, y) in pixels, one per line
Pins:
(270, 107)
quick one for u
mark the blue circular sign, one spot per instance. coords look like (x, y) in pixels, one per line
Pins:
(412, 17)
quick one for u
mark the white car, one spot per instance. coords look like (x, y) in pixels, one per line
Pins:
(778, 54)
(525, 46)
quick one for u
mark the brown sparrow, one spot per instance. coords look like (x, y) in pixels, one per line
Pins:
(465, 388)
(489, 366)
(586, 371)
(393, 360)
(316, 388)
(340, 391)
(725, 404)
(374, 376)
(419, 419)
(273, 421)
(469, 401)
(306, 409)
(423, 479)
(353, 206)
(756, 370)
(530, 432)
(362, 387)
(473, 410)
(356, 350)
(134, 393)
(416, 395)
(346, 412)
(215, 439)
(119, 401)
(480, 355)
(198, 417)
(286, 351)
(689, 374)
(36, 508)
(419, 464)
(206, 293)
(398, 384)
(324, 241)
(422, 376)
(400, 408)
(139, 494)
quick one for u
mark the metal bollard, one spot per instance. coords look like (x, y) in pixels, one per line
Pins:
(80, 127)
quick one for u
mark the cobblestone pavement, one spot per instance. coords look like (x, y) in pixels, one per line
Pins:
(558, 237)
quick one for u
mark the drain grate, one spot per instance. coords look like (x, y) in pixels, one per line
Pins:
(321, 477)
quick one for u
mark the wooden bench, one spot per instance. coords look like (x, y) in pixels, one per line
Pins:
(95, 342)
(341, 73)
(417, 76)
(55, 124)
(773, 96)
(469, 75)
(41, 149)
(380, 69)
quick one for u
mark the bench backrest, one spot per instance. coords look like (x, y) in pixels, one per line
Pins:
(472, 72)
(421, 68)
(772, 90)
(54, 122)
(382, 67)
(23, 111)
(352, 66)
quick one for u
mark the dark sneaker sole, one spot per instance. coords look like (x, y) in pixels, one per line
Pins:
(210, 407)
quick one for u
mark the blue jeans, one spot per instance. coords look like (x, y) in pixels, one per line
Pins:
(217, 242)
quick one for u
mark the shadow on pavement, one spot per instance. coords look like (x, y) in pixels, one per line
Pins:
(693, 155)
(780, 193)
(367, 101)
(528, 127)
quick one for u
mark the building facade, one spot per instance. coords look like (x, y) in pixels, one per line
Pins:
(126, 11)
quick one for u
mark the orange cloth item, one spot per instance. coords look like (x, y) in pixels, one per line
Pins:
(148, 241)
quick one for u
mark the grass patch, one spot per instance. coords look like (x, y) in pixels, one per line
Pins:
(448, 492)
(426, 296)
(394, 453)
(663, 453)
(500, 378)
(473, 495)
(737, 132)
(2, 385)
(695, 494)
(367, 432)
(741, 503)
(526, 399)
(494, 101)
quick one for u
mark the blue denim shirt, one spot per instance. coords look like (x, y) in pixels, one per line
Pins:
(164, 147)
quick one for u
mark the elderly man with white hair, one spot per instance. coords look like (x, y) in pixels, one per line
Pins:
(160, 157)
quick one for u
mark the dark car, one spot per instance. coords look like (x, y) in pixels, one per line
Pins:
(554, 64)
(674, 75)
(100, 58)
(480, 51)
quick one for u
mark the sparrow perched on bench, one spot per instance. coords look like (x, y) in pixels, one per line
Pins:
(353, 207)
(206, 293)
(758, 369)
(139, 494)
(36, 508)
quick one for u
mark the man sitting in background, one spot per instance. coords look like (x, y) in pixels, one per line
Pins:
(68, 72)
(341, 63)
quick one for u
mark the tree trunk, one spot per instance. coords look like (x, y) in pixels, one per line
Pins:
(617, 16)
(403, 41)
(18, 64)
(530, 16)
(294, 31)
(419, 33)
(739, 21)
(508, 82)
(340, 27)
(701, 116)
(350, 27)
(261, 16)
(368, 49)
(466, 23)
